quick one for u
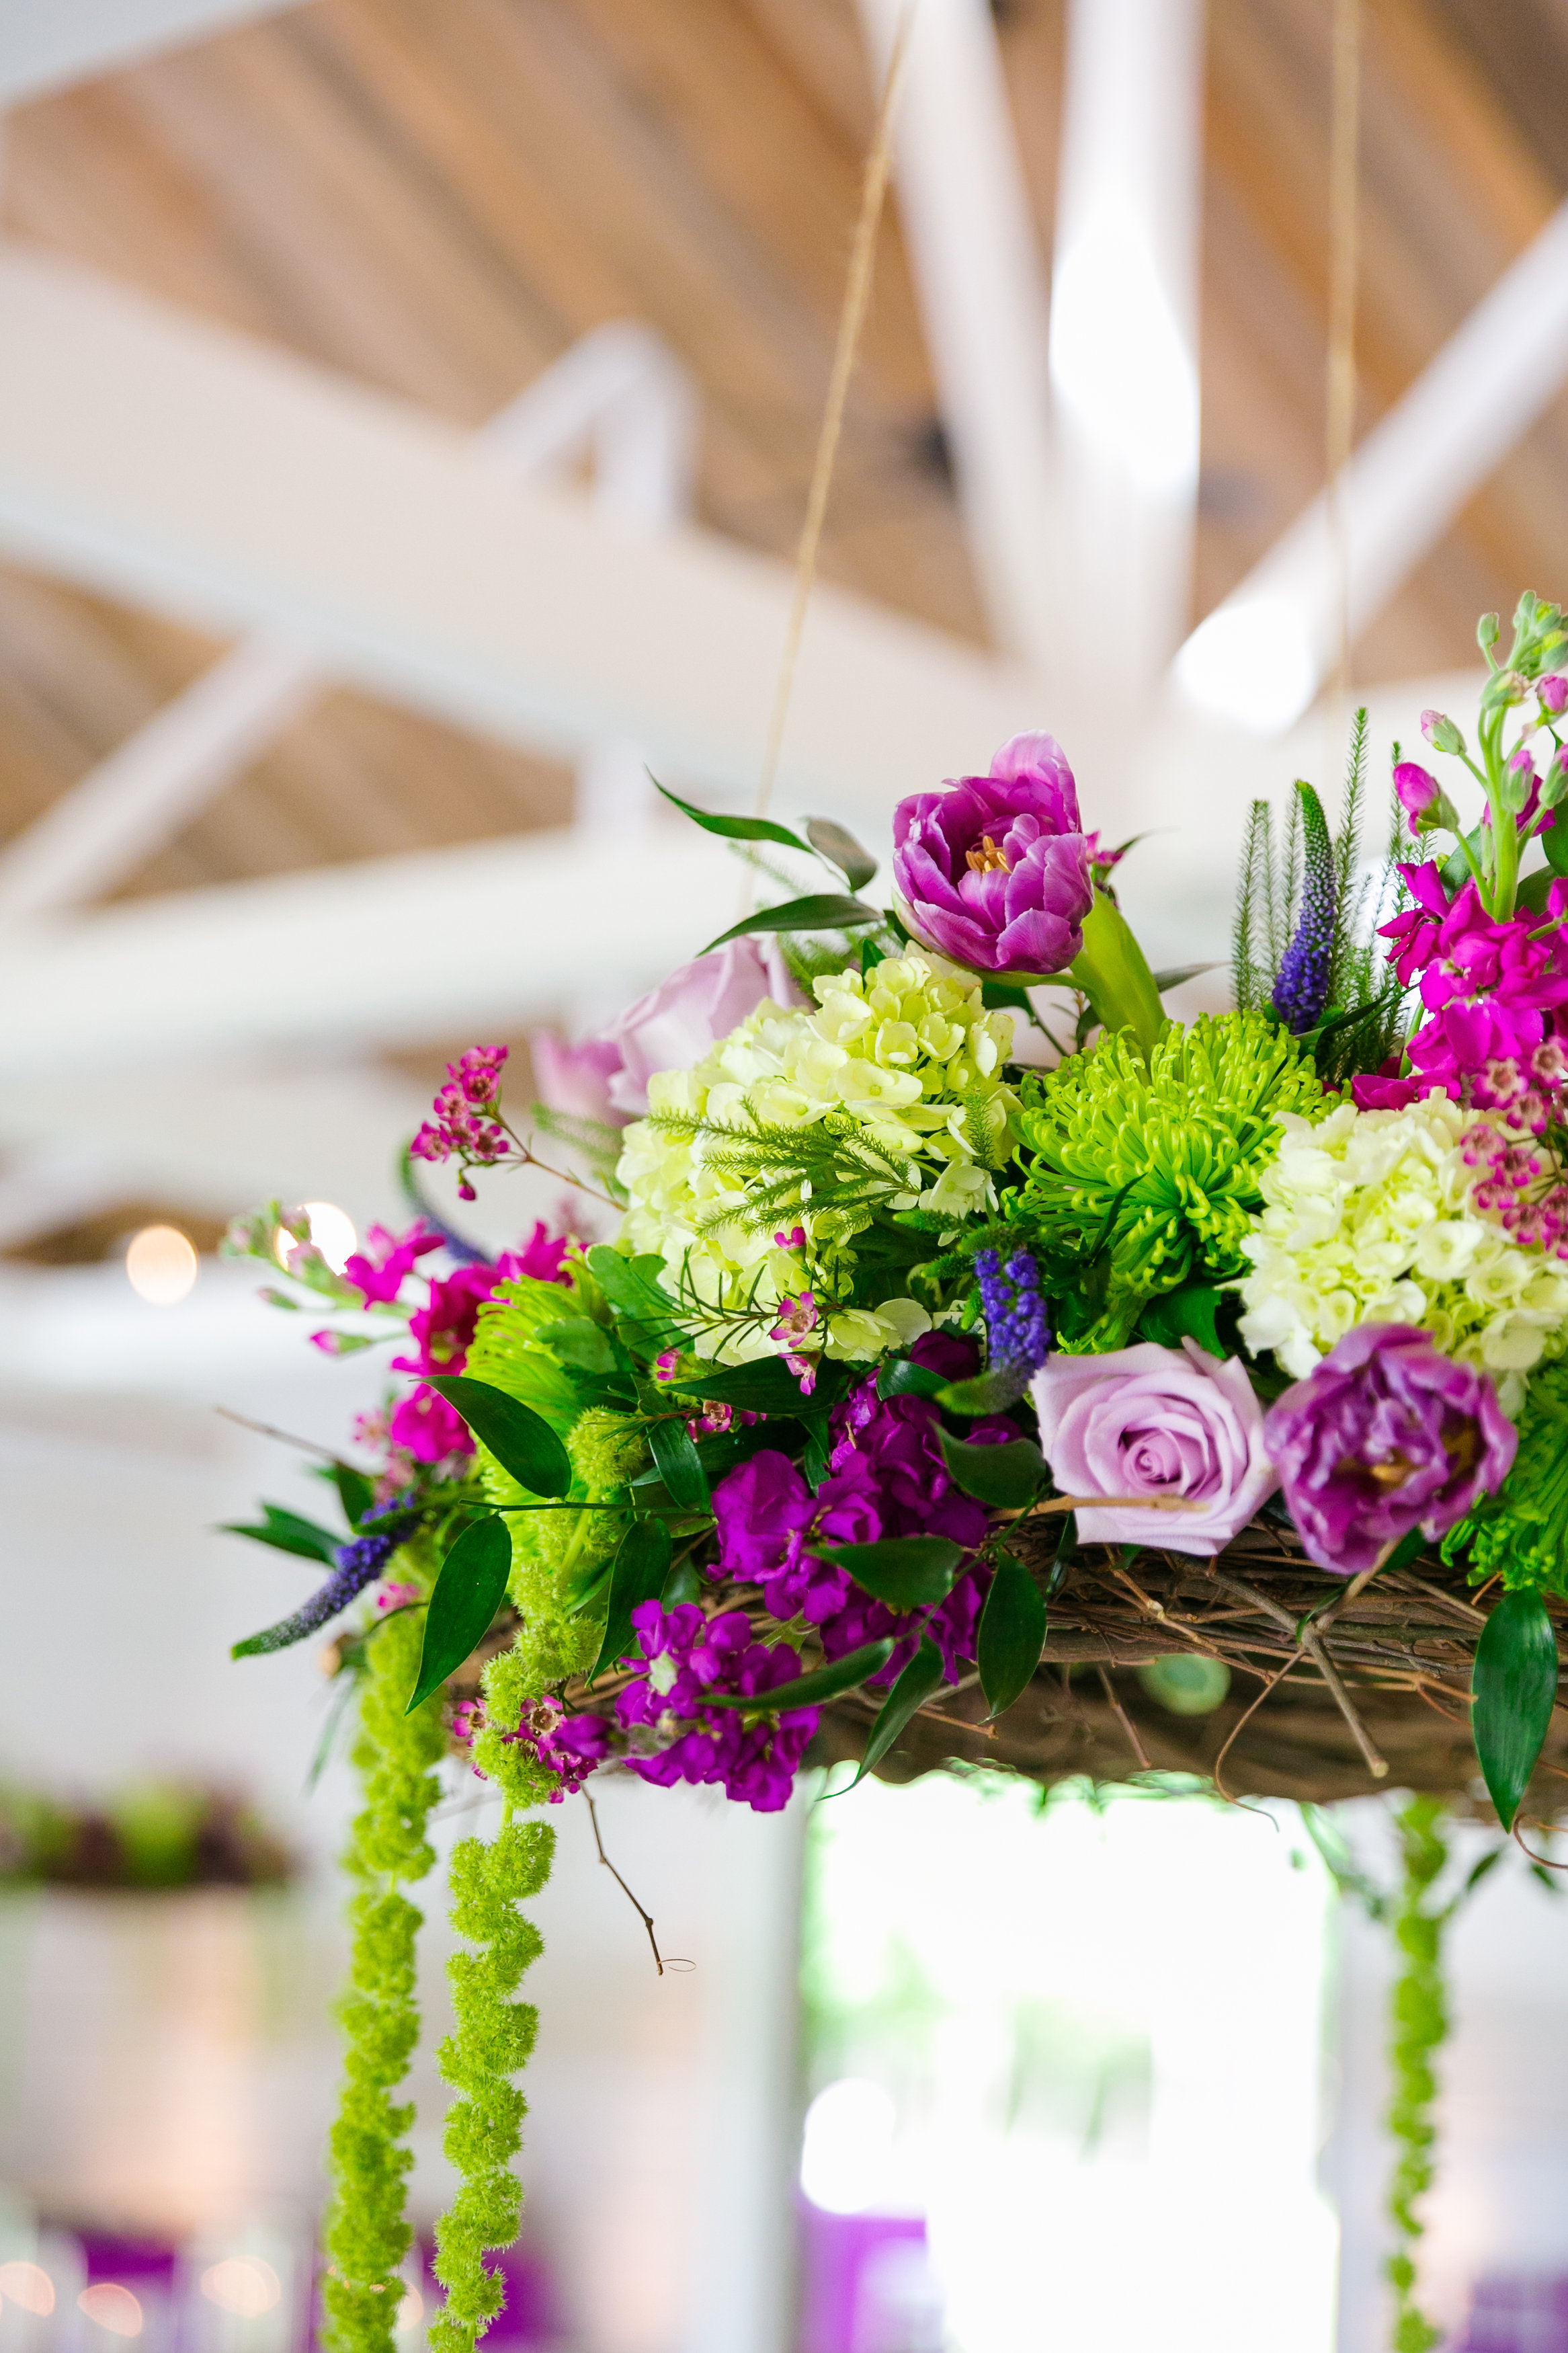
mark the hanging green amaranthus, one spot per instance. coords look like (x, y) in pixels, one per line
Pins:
(493, 2037)
(367, 2233)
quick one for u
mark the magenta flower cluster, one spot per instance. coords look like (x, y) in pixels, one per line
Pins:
(1386, 1435)
(664, 1729)
(1492, 992)
(464, 1125)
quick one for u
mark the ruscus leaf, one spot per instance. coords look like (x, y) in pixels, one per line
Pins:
(920, 1679)
(1010, 1475)
(641, 1569)
(824, 911)
(900, 1377)
(810, 1691)
(521, 1440)
(992, 1391)
(1514, 1686)
(1012, 1634)
(734, 828)
(287, 1532)
(841, 850)
(469, 1590)
(1184, 1314)
(680, 1466)
(903, 1571)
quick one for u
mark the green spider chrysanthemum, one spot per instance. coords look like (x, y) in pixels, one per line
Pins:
(1151, 1171)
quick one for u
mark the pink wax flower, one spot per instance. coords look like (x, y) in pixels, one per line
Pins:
(670, 1029)
(462, 1121)
(1161, 1422)
(1385, 1436)
(994, 869)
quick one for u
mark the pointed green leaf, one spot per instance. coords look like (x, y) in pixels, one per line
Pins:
(920, 1679)
(287, 1532)
(641, 1569)
(521, 1440)
(1534, 889)
(734, 828)
(1514, 1684)
(903, 1571)
(1010, 1475)
(823, 911)
(1555, 841)
(632, 1285)
(1012, 1634)
(1184, 1314)
(767, 1386)
(1172, 976)
(683, 1584)
(686, 1481)
(355, 1492)
(841, 850)
(811, 1690)
(899, 1377)
(469, 1590)
(578, 1341)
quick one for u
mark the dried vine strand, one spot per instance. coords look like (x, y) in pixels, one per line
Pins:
(660, 1964)
(851, 319)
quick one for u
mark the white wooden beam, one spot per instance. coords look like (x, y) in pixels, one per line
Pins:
(179, 466)
(1124, 337)
(619, 397)
(46, 45)
(1260, 656)
(981, 284)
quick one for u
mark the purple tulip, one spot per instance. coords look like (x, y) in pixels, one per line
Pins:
(1384, 1436)
(995, 871)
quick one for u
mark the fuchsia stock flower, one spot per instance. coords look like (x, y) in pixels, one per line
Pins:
(1417, 788)
(1554, 692)
(1174, 1425)
(670, 1029)
(995, 871)
(381, 1268)
(1385, 1436)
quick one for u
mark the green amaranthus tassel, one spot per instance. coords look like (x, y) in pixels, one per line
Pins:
(493, 2038)
(367, 2234)
(1420, 2024)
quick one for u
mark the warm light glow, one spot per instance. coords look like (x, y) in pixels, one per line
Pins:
(1251, 663)
(242, 2284)
(332, 1230)
(162, 1265)
(410, 2312)
(113, 2307)
(849, 2131)
(28, 2286)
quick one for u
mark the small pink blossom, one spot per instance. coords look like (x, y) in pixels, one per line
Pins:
(1554, 692)
(794, 1241)
(394, 1595)
(799, 1318)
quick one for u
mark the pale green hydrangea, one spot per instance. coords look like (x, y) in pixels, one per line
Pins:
(905, 1054)
(1368, 1219)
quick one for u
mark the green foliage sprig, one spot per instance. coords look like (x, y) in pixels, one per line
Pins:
(1364, 1020)
(1521, 1534)
(367, 2233)
(492, 2041)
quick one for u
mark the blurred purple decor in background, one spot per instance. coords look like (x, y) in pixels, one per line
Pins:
(866, 2286)
(1516, 2312)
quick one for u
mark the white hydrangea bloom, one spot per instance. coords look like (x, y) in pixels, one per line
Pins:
(1368, 1219)
(908, 1051)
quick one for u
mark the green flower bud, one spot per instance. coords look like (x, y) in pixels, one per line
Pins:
(1487, 631)
(607, 1449)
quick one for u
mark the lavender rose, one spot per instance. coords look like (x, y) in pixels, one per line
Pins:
(1385, 1435)
(995, 871)
(605, 1078)
(1162, 1422)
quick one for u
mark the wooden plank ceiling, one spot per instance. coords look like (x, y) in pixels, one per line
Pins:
(438, 196)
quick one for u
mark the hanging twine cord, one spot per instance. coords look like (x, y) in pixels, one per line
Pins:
(1344, 191)
(851, 319)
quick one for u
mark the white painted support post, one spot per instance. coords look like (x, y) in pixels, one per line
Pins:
(980, 281)
(1123, 339)
(619, 397)
(1260, 657)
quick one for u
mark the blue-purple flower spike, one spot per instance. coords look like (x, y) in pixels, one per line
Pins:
(1301, 991)
(359, 1562)
(1016, 1337)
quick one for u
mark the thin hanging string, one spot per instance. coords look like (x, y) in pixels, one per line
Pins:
(1344, 191)
(851, 319)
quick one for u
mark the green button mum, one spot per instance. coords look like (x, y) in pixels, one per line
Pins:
(1149, 1171)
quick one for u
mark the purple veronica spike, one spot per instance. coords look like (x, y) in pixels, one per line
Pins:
(1016, 1337)
(359, 1562)
(1301, 991)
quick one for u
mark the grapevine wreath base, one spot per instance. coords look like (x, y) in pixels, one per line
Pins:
(1401, 1651)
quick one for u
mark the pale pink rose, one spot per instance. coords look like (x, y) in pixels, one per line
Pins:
(670, 1029)
(1158, 1422)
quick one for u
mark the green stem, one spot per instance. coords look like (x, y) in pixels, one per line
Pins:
(367, 2234)
(1114, 974)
